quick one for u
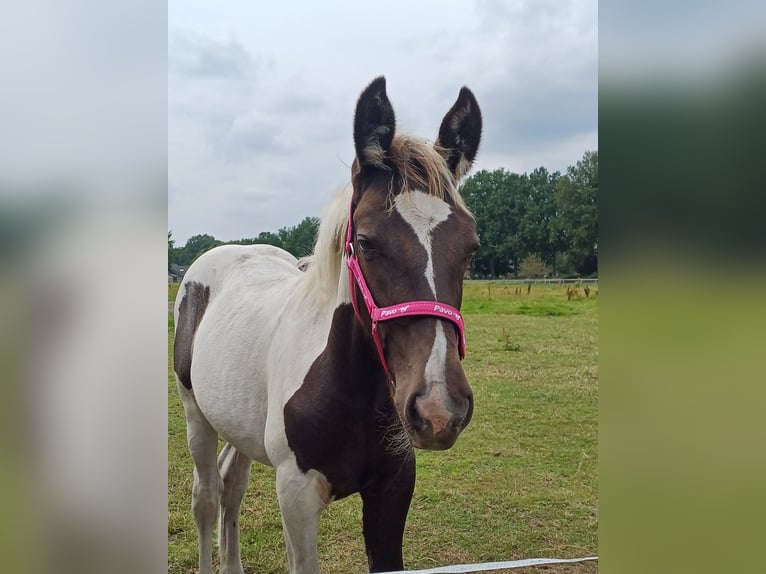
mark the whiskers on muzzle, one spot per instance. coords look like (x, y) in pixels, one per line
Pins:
(395, 437)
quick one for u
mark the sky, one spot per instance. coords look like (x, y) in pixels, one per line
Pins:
(261, 96)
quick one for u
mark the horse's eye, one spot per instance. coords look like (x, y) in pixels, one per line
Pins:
(365, 244)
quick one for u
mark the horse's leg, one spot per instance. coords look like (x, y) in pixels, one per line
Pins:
(206, 491)
(235, 472)
(386, 502)
(302, 497)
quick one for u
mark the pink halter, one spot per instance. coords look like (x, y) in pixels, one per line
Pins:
(407, 309)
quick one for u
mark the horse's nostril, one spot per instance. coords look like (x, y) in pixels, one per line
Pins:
(466, 418)
(416, 421)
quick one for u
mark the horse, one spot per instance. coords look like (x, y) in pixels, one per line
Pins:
(295, 365)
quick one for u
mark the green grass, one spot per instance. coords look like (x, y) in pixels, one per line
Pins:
(172, 291)
(520, 482)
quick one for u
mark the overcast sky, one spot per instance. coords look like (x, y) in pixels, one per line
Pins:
(261, 95)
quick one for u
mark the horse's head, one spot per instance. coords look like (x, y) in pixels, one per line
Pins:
(414, 238)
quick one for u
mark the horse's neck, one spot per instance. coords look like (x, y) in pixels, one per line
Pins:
(351, 357)
(350, 353)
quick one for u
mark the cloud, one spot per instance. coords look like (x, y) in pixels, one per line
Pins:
(545, 89)
(195, 56)
(261, 99)
(248, 136)
(541, 113)
(219, 90)
(298, 103)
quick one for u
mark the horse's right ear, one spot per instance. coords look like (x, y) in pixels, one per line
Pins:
(374, 125)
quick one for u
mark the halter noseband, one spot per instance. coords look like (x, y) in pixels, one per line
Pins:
(406, 309)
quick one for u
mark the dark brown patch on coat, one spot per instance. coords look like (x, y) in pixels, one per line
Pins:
(190, 313)
(340, 422)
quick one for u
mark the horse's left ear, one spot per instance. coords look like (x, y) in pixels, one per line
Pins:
(460, 133)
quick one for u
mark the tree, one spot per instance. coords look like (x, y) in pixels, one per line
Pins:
(488, 196)
(538, 191)
(299, 240)
(196, 246)
(577, 213)
(264, 237)
(171, 249)
(514, 214)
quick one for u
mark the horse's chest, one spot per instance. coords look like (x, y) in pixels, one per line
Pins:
(342, 442)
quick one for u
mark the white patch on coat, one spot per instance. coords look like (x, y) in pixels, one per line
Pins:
(423, 213)
(260, 334)
(302, 497)
(243, 376)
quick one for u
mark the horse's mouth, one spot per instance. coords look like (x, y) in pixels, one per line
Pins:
(425, 439)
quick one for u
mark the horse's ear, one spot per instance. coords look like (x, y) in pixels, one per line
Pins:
(460, 133)
(374, 124)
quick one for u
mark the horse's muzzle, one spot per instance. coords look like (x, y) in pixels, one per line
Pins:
(435, 420)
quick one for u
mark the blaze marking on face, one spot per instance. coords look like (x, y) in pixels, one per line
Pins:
(423, 213)
(437, 361)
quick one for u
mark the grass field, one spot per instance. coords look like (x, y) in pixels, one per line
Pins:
(521, 481)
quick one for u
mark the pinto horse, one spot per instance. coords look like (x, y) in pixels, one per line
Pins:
(296, 366)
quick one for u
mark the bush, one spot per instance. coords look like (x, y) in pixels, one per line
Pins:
(533, 267)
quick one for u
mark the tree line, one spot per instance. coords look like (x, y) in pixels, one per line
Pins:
(540, 223)
(298, 240)
(530, 225)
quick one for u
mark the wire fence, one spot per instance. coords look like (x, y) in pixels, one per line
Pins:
(487, 566)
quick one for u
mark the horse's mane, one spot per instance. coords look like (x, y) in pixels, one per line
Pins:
(418, 165)
(421, 166)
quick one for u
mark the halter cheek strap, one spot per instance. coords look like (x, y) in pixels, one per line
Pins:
(406, 309)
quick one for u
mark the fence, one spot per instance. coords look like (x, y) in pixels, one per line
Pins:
(555, 281)
(486, 566)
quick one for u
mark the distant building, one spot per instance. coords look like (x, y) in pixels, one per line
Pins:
(176, 273)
